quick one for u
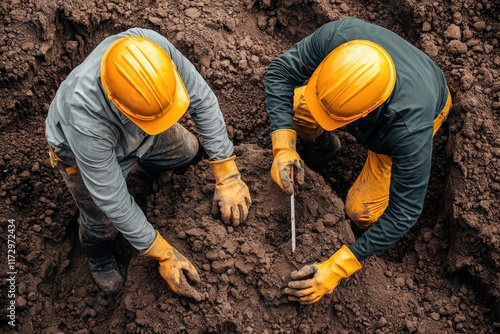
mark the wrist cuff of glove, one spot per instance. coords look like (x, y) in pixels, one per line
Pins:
(157, 249)
(222, 169)
(223, 161)
(283, 139)
(347, 260)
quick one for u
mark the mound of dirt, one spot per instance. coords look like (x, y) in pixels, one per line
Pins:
(442, 277)
(244, 268)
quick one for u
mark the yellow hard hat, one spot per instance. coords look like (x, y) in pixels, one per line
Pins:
(141, 80)
(353, 80)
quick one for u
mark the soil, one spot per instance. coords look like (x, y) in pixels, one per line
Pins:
(441, 277)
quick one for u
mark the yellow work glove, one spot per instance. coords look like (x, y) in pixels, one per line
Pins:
(314, 281)
(174, 268)
(285, 156)
(231, 197)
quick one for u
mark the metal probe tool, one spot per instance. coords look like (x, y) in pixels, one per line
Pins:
(292, 210)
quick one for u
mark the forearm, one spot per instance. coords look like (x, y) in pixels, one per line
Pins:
(411, 162)
(211, 127)
(103, 179)
(111, 196)
(405, 205)
(205, 111)
(282, 76)
(380, 236)
(293, 69)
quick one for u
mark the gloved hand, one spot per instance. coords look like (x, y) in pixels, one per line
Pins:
(174, 268)
(232, 197)
(285, 156)
(314, 281)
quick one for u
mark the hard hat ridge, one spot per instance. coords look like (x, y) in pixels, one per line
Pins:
(141, 80)
(354, 79)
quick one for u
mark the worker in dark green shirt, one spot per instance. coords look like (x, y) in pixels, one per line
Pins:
(392, 98)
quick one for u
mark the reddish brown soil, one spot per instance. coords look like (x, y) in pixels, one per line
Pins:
(442, 277)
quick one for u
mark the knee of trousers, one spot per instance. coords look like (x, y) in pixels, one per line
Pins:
(193, 148)
(363, 213)
(92, 232)
(369, 195)
(190, 147)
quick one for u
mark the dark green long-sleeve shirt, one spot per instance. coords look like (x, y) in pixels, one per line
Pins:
(401, 127)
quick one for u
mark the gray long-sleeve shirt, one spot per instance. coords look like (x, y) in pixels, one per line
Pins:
(84, 123)
(401, 127)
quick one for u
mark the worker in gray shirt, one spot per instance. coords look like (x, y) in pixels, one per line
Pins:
(120, 109)
(392, 98)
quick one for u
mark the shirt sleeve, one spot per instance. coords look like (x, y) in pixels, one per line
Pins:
(103, 178)
(205, 111)
(411, 164)
(293, 69)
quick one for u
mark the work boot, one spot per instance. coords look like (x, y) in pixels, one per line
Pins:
(103, 266)
(322, 149)
(106, 274)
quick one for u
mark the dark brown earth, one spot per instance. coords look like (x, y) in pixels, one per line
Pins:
(442, 277)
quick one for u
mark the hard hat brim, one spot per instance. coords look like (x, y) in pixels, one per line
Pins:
(317, 111)
(172, 115)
